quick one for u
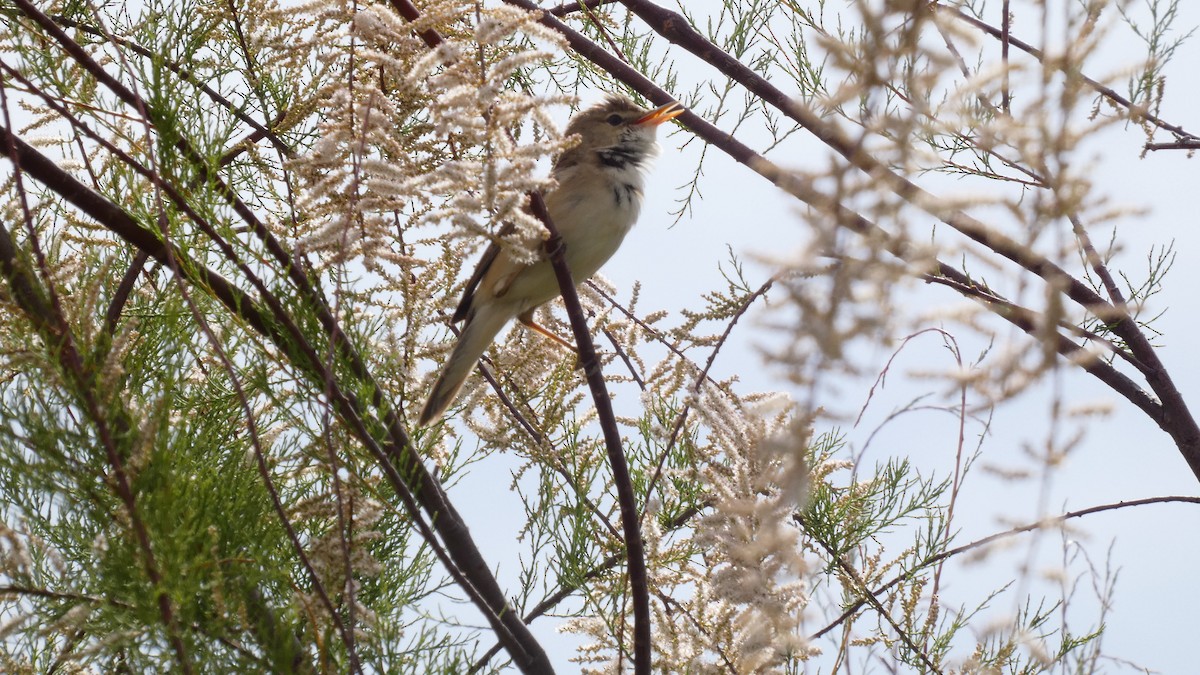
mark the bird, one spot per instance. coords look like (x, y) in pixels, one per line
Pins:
(594, 204)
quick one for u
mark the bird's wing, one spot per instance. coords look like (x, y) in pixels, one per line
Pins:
(494, 274)
(468, 296)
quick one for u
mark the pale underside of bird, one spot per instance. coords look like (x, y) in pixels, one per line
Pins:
(594, 205)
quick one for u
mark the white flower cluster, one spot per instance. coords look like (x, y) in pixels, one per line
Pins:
(417, 135)
(754, 571)
(328, 551)
(731, 597)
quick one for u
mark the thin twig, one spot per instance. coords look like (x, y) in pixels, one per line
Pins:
(978, 543)
(1005, 38)
(872, 599)
(124, 289)
(549, 603)
(580, 5)
(640, 323)
(625, 358)
(542, 440)
(701, 377)
(406, 9)
(1178, 145)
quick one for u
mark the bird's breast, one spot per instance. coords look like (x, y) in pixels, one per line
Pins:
(592, 211)
(594, 222)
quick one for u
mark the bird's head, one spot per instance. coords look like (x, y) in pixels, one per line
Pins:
(618, 130)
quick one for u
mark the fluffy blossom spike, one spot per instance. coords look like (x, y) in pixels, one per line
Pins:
(430, 136)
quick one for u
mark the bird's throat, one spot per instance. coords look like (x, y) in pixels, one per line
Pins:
(620, 157)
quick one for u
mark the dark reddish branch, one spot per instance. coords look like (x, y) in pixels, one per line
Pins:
(578, 6)
(405, 8)
(624, 356)
(635, 554)
(1176, 418)
(250, 139)
(117, 305)
(1193, 144)
(538, 437)
(545, 442)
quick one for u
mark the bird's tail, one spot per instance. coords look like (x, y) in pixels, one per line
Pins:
(478, 332)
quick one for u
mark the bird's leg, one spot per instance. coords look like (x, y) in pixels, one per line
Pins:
(526, 318)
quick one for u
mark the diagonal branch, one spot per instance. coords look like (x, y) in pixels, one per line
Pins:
(1034, 325)
(872, 598)
(702, 377)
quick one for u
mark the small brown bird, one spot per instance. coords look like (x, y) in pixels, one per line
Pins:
(595, 203)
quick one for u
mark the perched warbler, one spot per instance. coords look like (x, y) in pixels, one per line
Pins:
(594, 205)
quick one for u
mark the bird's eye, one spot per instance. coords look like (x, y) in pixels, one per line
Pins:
(615, 119)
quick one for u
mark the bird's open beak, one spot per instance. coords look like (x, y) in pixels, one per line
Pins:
(661, 114)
